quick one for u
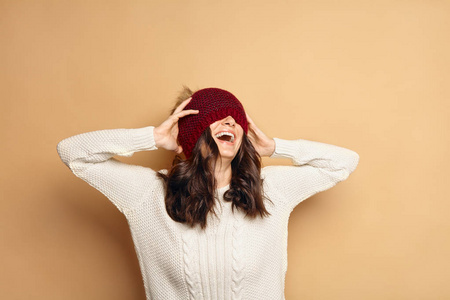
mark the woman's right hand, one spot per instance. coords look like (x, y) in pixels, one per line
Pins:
(166, 134)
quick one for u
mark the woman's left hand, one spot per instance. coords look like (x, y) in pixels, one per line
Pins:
(263, 144)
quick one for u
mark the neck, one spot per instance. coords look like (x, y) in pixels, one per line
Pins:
(223, 173)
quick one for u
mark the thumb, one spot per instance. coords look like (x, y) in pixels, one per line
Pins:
(179, 149)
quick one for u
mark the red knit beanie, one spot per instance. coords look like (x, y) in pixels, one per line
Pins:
(213, 104)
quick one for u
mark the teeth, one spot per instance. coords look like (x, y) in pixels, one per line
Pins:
(226, 133)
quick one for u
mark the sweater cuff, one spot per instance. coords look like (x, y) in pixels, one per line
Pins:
(143, 138)
(285, 149)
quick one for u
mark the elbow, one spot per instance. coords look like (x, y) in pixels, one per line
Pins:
(70, 155)
(352, 162)
(62, 150)
(348, 163)
(349, 166)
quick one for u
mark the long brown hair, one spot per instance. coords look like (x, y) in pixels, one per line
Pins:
(190, 184)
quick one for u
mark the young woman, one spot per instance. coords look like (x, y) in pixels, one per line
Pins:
(213, 226)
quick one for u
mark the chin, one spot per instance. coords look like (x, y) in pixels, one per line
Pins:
(227, 152)
(227, 155)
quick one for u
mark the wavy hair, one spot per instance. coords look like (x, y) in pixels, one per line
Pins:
(190, 184)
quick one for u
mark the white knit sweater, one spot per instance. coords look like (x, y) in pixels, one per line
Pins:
(235, 257)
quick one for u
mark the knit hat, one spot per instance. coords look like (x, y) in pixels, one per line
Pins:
(213, 104)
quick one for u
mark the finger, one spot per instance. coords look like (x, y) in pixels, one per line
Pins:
(186, 112)
(182, 105)
(251, 123)
(249, 119)
(254, 130)
(177, 116)
(179, 150)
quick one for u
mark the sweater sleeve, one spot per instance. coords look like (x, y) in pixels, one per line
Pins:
(316, 167)
(90, 157)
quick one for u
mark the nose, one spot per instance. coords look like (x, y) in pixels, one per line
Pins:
(229, 121)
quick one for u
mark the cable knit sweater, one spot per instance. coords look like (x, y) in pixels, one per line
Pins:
(235, 257)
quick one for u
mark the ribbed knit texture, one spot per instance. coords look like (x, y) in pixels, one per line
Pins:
(213, 104)
(235, 257)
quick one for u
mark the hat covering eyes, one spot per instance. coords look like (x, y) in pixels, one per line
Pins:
(213, 104)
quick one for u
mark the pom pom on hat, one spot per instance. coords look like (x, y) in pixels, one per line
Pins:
(213, 104)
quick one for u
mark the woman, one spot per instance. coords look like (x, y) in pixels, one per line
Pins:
(214, 226)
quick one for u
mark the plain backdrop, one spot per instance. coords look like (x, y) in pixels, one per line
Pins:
(371, 76)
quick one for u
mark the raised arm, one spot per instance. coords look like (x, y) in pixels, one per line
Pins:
(316, 167)
(90, 157)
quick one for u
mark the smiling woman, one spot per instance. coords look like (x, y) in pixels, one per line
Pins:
(228, 136)
(222, 156)
(213, 226)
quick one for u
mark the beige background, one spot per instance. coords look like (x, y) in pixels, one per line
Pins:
(371, 76)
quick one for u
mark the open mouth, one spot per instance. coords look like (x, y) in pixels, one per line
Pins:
(225, 136)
